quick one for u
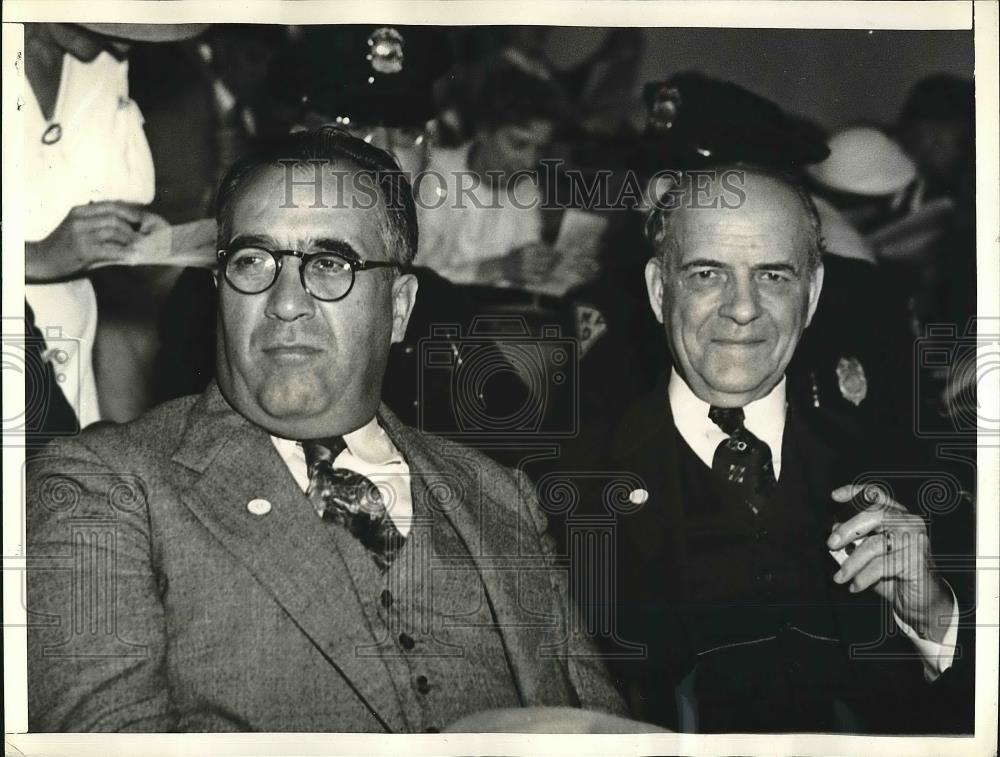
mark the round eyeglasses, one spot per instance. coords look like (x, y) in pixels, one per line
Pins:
(327, 276)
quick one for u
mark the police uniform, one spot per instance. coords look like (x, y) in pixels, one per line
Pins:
(739, 622)
(853, 358)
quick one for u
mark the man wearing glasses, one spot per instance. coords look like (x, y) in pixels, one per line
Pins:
(281, 553)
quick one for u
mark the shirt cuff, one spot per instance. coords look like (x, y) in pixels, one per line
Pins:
(937, 657)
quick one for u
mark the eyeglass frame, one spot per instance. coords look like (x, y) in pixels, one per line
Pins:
(354, 263)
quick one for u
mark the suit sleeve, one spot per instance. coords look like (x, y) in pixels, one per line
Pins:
(586, 670)
(96, 629)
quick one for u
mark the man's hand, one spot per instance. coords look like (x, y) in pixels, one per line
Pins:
(90, 236)
(894, 557)
(548, 720)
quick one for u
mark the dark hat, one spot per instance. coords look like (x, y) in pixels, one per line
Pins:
(694, 121)
(374, 75)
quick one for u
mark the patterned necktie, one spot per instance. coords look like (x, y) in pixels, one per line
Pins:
(742, 462)
(350, 499)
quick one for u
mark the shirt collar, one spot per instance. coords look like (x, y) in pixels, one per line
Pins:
(369, 443)
(764, 418)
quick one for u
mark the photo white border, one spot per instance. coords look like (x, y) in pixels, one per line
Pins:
(859, 14)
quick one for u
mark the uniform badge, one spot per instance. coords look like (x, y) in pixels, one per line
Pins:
(851, 380)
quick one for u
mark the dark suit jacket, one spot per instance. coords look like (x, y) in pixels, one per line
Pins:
(652, 569)
(159, 601)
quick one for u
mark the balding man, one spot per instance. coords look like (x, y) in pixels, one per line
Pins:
(774, 585)
(281, 553)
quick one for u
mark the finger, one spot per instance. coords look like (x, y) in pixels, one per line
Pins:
(870, 494)
(860, 525)
(110, 237)
(128, 212)
(879, 504)
(872, 547)
(151, 222)
(113, 230)
(873, 572)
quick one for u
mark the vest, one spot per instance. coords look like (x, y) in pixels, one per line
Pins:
(436, 631)
(764, 647)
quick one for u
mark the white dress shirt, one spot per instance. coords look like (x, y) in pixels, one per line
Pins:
(371, 453)
(765, 419)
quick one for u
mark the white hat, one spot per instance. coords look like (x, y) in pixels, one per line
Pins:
(864, 161)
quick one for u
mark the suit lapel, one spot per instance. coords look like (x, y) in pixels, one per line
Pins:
(827, 458)
(292, 554)
(475, 519)
(647, 444)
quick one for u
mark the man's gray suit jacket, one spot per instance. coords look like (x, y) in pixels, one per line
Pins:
(159, 600)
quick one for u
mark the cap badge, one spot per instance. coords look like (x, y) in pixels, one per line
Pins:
(386, 50)
(664, 107)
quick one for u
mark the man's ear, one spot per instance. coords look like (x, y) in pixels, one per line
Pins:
(654, 287)
(815, 287)
(404, 297)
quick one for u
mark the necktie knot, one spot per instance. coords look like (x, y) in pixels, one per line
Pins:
(729, 419)
(742, 463)
(322, 449)
(351, 499)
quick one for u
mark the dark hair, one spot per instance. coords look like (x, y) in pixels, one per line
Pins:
(940, 97)
(515, 89)
(659, 222)
(330, 144)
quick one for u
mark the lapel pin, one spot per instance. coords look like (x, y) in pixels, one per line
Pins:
(259, 506)
(638, 496)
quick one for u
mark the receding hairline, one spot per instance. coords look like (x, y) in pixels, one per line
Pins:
(256, 173)
(775, 182)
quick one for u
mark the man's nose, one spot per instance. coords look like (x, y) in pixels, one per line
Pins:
(741, 303)
(287, 299)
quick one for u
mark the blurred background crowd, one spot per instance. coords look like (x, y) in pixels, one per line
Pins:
(551, 144)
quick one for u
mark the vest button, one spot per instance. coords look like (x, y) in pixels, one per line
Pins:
(406, 641)
(423, 685)
(385, 598)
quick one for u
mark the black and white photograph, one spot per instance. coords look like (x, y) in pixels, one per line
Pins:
(481, 378)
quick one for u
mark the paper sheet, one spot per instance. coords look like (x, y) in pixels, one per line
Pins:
(188, 244)
(578, 244)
